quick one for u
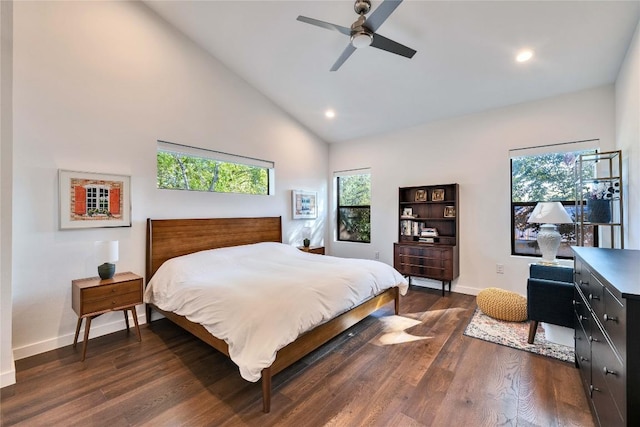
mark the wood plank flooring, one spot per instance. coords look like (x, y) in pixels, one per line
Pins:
(441, 378)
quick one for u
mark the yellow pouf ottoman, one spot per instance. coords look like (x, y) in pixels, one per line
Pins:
(502, 305)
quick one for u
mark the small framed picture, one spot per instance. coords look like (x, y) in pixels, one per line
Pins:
(421, 195)
(304, 204)
(437, 195)
(407, 213)
(450, 212)
(91, 200)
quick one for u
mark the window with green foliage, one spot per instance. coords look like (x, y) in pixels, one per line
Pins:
(182, 167)
(547, 177)
(354, 206)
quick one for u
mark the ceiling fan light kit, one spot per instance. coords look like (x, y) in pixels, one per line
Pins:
(362, 39)
(363, 32)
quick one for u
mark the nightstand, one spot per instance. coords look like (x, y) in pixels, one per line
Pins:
(313, 249)
(93, 296)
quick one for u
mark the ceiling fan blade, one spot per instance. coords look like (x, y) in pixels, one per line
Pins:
(327, 25)
(381, 14)
(389, 45)
(345, 54)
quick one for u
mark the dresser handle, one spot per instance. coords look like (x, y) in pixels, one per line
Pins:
(583, 359)
(592, 388)
(607, 317)
(581, 317)
(592, 339)
(595, 297)
(608, 371)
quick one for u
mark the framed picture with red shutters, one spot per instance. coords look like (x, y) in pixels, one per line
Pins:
(90, 200)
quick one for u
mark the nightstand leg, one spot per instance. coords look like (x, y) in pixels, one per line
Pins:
(126, 318)
(75, 339)
(87, 326)
(135, 321)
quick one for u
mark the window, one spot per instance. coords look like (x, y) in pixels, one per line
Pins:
(97, 200)
(354, 206)
(181, 167)
(539, 176)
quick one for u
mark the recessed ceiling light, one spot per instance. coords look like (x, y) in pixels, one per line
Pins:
(524, 55)
(329, 114)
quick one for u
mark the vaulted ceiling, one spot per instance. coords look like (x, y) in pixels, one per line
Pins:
(464, 61)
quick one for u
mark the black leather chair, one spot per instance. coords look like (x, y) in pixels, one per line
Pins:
(549, 297)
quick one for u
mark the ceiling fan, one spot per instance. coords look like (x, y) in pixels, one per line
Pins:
(363, 30)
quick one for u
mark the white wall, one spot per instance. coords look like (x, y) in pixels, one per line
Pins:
(7, 367)
(474, 152)
(95, 85)
(628, 138)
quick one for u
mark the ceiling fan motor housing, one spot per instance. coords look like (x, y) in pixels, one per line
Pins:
(362, 7)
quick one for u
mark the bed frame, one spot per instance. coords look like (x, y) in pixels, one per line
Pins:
(169, 238)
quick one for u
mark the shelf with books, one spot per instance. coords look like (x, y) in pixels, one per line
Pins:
(428, 232)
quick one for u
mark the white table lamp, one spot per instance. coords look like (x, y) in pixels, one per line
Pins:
(106, 255)
(549, 214)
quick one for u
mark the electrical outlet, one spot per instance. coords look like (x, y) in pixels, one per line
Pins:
(500, 268)
(377, 255)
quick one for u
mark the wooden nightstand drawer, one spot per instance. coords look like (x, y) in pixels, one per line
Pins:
(107, 291)
(114, 302)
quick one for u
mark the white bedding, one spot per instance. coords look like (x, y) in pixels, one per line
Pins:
(259, 298)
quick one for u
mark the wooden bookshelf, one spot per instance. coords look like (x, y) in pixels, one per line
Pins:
(428, 229)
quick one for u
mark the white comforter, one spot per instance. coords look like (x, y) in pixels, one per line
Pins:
(259, 298)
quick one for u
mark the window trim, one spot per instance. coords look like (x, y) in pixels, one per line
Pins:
(219, 156)
(344, 174)
(565, 147)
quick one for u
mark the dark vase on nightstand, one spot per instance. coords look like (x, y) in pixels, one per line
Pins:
(106, 270)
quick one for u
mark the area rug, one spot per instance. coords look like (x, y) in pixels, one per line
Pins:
(515, 335)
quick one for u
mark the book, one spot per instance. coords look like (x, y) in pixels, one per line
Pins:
(429, 232)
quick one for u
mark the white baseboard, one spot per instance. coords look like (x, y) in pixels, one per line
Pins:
(431, 284)
(8, 378)
(65, 340)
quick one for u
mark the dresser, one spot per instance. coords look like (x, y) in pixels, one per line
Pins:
(607, 332)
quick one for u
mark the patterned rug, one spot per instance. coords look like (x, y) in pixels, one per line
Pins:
(515, 334)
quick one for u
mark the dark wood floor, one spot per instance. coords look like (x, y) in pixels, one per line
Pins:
(171, 378)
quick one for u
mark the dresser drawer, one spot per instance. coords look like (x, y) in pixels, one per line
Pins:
(583, 315)
(608, 380)
(595, 296)
(583, 355)
(603, 402)
(582, 276)
(614, 320)
(427, 252)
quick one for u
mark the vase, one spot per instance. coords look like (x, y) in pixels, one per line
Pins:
(599, 211)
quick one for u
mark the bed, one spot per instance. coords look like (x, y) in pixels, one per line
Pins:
(189, 251)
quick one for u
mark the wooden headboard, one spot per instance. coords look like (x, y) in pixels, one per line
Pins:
(169, 238)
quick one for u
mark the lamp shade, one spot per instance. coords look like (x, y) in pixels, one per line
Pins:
(306, 232)
(549, 213)
(106, 251)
